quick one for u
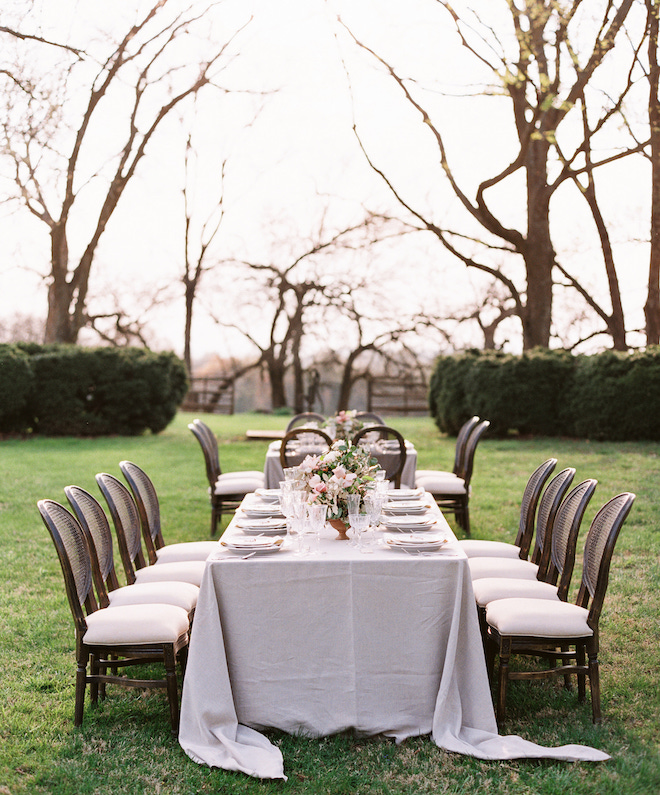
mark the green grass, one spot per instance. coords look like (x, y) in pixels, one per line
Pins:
(125, 745)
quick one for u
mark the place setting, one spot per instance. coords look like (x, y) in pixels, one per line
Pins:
(251, 546)
(411, 543)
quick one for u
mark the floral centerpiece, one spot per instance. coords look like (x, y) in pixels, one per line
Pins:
(343, 425)
(330, 477)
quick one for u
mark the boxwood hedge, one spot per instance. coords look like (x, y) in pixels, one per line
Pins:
(70, 390)
(611, 395)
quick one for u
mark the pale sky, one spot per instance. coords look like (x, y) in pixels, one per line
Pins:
(301, 145)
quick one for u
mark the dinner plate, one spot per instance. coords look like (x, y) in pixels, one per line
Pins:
(404, 507)
(413, 543)
(267, 526)
(408, 522)
(257, 511)
(404, 494)
(256, 546)
(268, 495)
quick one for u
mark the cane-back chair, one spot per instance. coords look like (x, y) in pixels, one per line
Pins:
(226, 489)
(126, 520)
(300, 442)
(393, 459)
(113, 638)
(437, 475)
(557, 630)
(305, 418)
(146, 499)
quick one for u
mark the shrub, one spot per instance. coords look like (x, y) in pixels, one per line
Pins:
(611, 395)
(101, 391)
(16, 385)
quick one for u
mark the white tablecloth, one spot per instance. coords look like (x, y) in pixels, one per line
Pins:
(381, 643)
(274, 474)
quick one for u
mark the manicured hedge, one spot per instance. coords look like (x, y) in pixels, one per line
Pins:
(16, 389)
(95, 391)
(611, 395)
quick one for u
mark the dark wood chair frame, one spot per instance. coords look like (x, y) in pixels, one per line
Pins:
(146, 499)
(303, 418)
(74, 555)
(394, 471)
(295, 433)
(579, 654)
(459, 504)
(220, 503)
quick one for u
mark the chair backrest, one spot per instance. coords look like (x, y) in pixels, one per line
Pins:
(467, 465)
(565, 534)
(96, 528)
(126, 520)
(393, 461)
(74, 557)
(598, 549)
(292, 455)
(530, 499)
(146, 499)
(305, 418)
(209, 445)
(545, 516)
(369, 416)
(461, 443)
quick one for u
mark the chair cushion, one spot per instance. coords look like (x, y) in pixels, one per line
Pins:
(502, 567)
(441, 485)
(183, 571)
(538, 618)
(489, 589)
(136, 624)
(434, 473)
(180, 594)
(190, 550)
(239, 485)
(474, 548)
(244, 473)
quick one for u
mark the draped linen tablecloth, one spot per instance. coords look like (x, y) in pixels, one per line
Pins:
(380, 643)
(273, 469)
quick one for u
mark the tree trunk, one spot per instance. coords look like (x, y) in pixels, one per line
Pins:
(652, 306)
(59, 322)
(538, 252)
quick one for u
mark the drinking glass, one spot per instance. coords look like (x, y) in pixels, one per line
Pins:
(315, 516)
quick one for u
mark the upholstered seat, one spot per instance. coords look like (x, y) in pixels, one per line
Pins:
(502, 567)
(538, 618)
(152, 623)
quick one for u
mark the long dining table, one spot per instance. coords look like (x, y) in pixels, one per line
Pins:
(385, 642)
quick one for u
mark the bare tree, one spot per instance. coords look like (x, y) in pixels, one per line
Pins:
(652, 306)
(545, 63)
(51, 131)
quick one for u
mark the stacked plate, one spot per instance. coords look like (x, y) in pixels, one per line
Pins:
(414, 543)
(268, 495)
(404, 507)
(253, 546)
(259, 510)
(405, 494)
(415, 523)
(268, 526)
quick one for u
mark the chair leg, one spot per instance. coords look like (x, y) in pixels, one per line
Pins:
(216, 512)
(172, 687)
(81, 683)
(503, 679)
(594, 681)
(580, 660)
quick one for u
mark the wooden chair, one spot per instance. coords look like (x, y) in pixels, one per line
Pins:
(477, 548)
(515, 566)
(395, 460)
(557, 630)
(146, 499)
(459, 456)
(109, 593)
(453, 495)
(305, 418)
(552, 580)
(369, 416)
(291, 454)
(113, 638)
(226, 489)
(126, 520)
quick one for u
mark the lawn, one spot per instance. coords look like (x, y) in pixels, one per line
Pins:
(125, 745)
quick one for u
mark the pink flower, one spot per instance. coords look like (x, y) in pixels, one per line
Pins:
(310, 463)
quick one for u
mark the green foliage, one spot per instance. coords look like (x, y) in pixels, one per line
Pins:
(16, 384)
(100, 391)
(608, 396)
